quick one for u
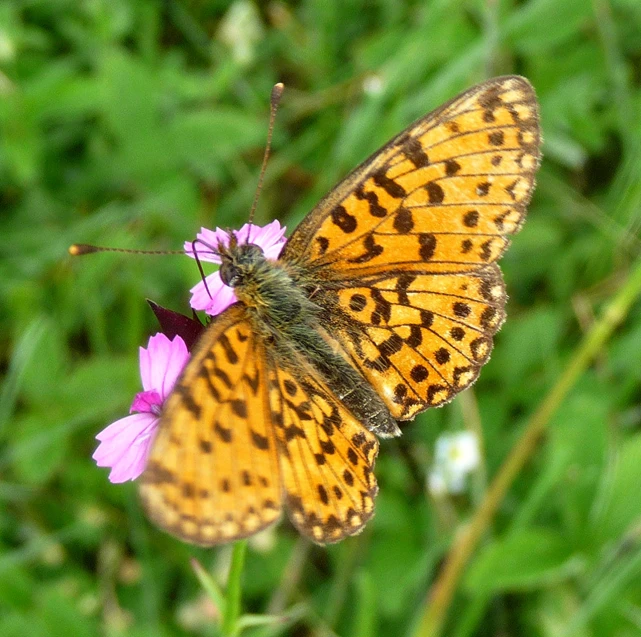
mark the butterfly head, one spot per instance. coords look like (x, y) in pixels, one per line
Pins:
(238, 261)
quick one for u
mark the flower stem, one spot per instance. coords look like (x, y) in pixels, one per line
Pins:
(439, 598)
(230, 626)
(209, 585)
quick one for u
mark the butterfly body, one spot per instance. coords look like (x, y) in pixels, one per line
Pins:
(276, 297)
(383, 302)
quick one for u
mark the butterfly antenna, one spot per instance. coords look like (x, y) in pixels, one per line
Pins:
(80, 249)
(203, 278)
(274, 101)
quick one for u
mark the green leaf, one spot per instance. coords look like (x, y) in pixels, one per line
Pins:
(541, 24)
(524, 560)
(618, 506)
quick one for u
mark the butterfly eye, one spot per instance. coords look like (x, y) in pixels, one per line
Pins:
(229, 274)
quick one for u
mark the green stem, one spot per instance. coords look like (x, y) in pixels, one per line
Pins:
(439, 599)
(209, 585)
(491, 34)
(291, 576)
(230, 626)
(349, 559)
(616, 65)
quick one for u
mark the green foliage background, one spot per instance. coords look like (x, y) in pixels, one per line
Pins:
(132, 123)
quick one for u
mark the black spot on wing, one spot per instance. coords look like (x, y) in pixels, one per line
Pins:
(414, 151)
(403, 221)
(345, 221)
(471, 218)
(371, 250)
(375, 208)
(188, 401)
(391, 187)
(496, 138)
(435, 193)
(452, 167)
(427, 245)
(230, 353)
(323, 244)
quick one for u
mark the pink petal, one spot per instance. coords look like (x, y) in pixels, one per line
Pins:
(270, 237)
(161, 363)
(124, 446)
(206, 242)
(222, 296)
(148, 402)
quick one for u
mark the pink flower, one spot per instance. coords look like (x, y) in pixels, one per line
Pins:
(125, 444)
(270, 238)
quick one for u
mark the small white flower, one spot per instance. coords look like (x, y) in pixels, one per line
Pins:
(263, 541)
(455, 457)
(459, 451)
(240, 30)
(373, 84)
(436, 483)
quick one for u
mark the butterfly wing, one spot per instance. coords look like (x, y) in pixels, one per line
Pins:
(404, 249)
(239, 431)
(326, 455)
(419, 338)
(212, 475)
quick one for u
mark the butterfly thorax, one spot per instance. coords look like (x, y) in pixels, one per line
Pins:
(264, 286)
(289, 322)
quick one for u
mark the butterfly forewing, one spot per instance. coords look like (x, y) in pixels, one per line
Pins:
(440, 197)
(213, 474)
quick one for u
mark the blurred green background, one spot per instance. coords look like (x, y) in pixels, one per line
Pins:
(131, 123)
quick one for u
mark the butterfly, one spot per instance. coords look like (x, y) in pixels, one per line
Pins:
(383, 303)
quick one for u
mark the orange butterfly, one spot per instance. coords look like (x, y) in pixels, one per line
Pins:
(383, 303)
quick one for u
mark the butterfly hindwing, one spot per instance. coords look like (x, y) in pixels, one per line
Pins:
(326, 456)
(238, 435)
(419, 339)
